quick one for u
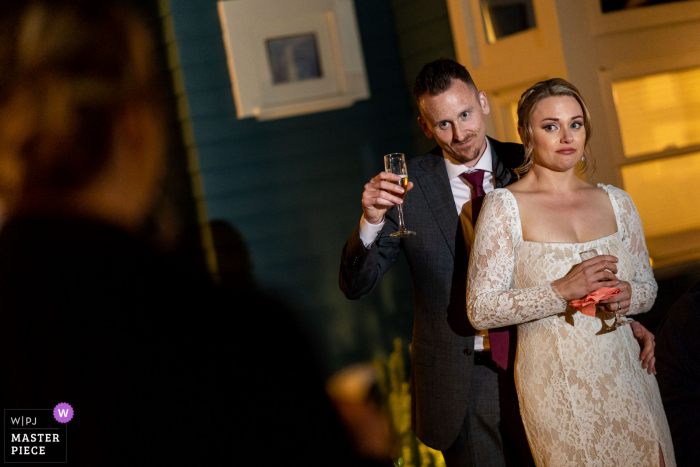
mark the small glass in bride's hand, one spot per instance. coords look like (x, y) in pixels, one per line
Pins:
(620, 320)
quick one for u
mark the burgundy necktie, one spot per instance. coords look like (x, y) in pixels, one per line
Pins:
(499, 340)
(476, 180)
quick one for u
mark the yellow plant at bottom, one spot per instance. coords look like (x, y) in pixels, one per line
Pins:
(395, 390)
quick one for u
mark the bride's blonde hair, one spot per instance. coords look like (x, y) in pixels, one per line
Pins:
(528, 103)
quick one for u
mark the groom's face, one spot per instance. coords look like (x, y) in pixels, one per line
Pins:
(455, 118)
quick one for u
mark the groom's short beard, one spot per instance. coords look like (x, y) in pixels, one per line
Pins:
(472, 155)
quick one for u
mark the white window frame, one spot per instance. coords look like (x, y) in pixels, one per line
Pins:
(641, 17)
(676, 255)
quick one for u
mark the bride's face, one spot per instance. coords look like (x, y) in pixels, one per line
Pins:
(559, 135)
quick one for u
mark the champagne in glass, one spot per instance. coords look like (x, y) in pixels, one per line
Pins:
(396, 163)
(403, 183)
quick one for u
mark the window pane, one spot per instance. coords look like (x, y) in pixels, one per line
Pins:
(506, 17)
(658, 112)
(615, 5)
(666, 193)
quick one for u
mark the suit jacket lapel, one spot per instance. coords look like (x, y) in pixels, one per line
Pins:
(504, 159)
(435, 184)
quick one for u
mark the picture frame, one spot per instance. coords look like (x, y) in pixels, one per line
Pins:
(292, 57)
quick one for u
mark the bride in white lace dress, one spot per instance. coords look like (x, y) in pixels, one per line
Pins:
(584, 397)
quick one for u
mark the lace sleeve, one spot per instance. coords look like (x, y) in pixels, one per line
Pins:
(644, 285)
(491, 300)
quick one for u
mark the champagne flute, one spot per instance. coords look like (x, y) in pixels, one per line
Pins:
(620, 320)
(593, 252)
(396, 163)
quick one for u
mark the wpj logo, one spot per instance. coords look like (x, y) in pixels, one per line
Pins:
(37, 435)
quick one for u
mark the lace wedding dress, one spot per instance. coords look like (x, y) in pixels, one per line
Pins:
(584, 398)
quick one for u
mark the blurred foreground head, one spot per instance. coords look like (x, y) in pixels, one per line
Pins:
(81, 127)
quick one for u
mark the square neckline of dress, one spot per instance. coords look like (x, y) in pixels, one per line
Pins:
(520, 225)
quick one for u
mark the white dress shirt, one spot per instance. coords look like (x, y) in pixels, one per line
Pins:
(462, 194)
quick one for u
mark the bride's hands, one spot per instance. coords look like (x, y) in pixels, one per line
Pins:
(624, 298)
(588, 277)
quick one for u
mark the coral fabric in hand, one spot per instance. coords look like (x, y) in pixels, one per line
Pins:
(586, 305)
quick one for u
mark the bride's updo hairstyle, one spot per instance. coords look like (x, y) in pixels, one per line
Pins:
(528, 103)
(69, 70)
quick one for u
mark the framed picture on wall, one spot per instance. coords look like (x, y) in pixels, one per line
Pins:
(292, 58)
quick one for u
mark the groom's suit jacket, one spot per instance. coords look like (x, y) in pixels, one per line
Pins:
(443, 345)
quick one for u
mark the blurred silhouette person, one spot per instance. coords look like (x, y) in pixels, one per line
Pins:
(159, 367)
(291, 386)
(87, 304)
(232, 256)
(678, 372)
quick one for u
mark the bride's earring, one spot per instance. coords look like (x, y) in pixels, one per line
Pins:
(583, 158)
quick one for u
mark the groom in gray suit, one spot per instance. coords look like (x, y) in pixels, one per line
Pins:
(463, 403)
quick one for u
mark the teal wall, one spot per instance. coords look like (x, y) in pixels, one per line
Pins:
(423, 34)
(293, 186)
(178, 190)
